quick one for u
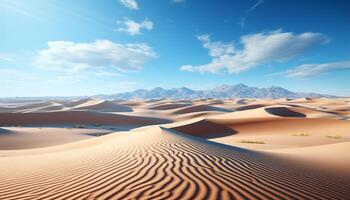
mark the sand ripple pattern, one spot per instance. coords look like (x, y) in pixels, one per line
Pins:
(162, 164)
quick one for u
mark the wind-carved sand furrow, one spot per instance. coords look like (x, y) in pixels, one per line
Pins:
(208, 179)
(239, 185)
(88, 183)
(72, 180)
(144, 181)
(108, 179)
(161, 177)
(264, 166)
(130, 177)
(301, 187)
(208, 183)
(32, 177)
(107, 184)
(164, 164)
(213, 167)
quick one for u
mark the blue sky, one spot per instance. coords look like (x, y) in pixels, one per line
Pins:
(86, 47)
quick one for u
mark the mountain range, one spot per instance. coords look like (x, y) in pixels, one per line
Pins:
(222, 91)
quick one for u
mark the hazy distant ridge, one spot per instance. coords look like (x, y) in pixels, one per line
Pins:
(223, 91)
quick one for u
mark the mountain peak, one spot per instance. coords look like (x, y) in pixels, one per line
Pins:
(239, 90)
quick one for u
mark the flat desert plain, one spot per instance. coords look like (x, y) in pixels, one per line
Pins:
(175, 149)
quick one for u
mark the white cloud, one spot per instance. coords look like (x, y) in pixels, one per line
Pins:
(74, 57)
(308, 70)
(134, 28)
(131, 4)
(216, 48)
(257, 49)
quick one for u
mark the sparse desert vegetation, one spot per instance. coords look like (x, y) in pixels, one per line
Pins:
(97, 124)
(300, 134)
(251, 142)
(334, 136)
(79, 126)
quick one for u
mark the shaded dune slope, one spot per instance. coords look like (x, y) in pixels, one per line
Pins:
(199, 108)
(248, 107)
(163, 164)
(284, 112)
(168, 106)
(205, 129)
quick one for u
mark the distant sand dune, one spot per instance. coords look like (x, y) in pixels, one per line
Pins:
(199, 108)
(27, 106)
(75, 117)
(248, 107)
(163, 165)
(168, 106)
(14, 138)
(103, 106)
(78, 102)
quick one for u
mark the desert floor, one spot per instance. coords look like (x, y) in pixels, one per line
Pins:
(175, 149)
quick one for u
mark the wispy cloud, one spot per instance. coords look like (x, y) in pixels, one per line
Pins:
(105, 73)
(258, 49)
(134, 28)
(73, 57)
(309, 70)
(131, 4)
(178, 1)
(22, 9)
(248, 11)
(5, 57)
(15, 75)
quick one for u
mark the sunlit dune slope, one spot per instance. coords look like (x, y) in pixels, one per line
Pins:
(162, 164)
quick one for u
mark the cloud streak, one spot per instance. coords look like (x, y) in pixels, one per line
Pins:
(73, 57)
(257, 49)
(132, 27)
(310, 70)
(248, 11)
(131, 4)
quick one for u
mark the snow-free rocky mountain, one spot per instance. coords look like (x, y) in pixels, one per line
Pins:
(223, 91)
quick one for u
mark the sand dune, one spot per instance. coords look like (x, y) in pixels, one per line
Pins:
(284, 112)
(75, 117)
(78, 102)
(27, 138)
(162, 164)
(205, 129)
(333, 156)
(168, 106)
(248, 107)
(204, 149)
(26, 106)
(103, 106)
(199, 108)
